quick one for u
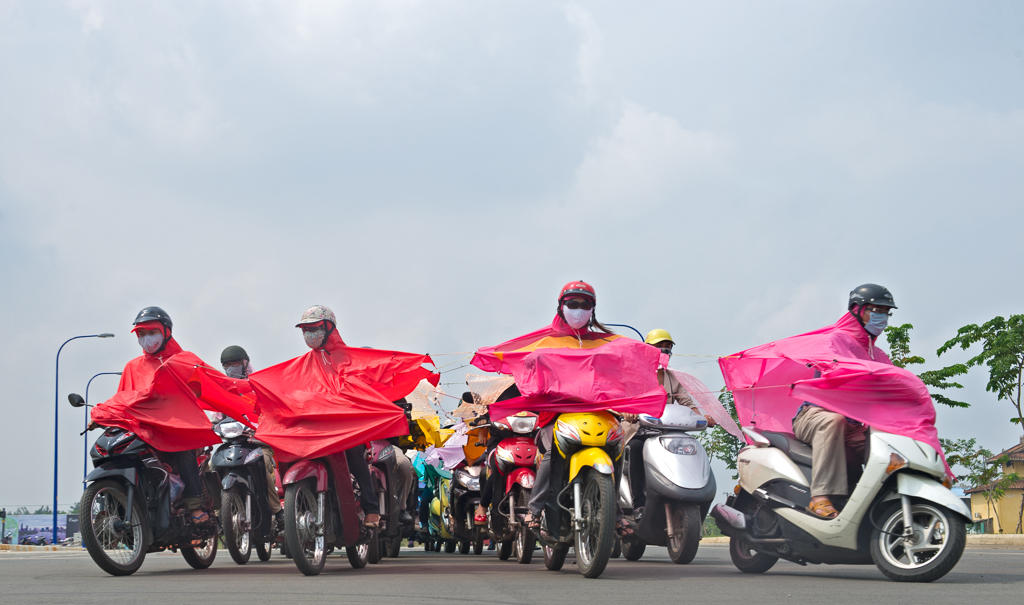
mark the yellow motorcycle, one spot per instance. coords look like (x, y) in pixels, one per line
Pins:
(582, 514)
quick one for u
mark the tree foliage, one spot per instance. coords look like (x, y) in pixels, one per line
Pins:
(718, 442)
(977, 469)
(1002, 352)
(898, 338)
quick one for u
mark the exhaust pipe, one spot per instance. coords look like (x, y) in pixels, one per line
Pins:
(730, 516)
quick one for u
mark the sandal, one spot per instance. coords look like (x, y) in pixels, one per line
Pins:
(823, 509)
(479, 518)
(623, 528)
(372, 520)
(532, 523)
(199, 516)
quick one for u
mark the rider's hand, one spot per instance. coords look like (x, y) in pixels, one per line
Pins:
(631, 417)
(711, 421)
(92, 425)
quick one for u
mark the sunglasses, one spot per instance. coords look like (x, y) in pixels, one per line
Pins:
(579, 304)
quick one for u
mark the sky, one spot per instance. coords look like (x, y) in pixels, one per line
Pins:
(435, 171)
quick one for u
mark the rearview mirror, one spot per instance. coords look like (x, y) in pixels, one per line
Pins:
(75, 400)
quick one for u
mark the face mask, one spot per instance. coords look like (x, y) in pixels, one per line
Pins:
(235, 371)
(151, 343)
(876, 325)
(314, 338)
(667, 351)
(577, 318)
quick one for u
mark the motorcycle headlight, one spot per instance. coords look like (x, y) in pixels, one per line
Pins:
(523, 424)
(469, 481)
(229, 430)
(675, 444)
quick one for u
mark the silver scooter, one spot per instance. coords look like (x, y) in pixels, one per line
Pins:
(678, 488)
(900, 515)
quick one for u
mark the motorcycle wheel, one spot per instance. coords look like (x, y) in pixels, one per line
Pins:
(117, 552)
(464, 547)
(306, 548)
(358, 555)
(616, 549)
(449, 546)
(554, 556)
(682, 547)
(232, 521)
(428, 545)
(202, 556)
(374, 550)
(633, 548)
(524, 544)
(505, 549)
(263, 550)
(594, 542)
(394, 546)
(478, 542)
(748, 560)
(939, 538)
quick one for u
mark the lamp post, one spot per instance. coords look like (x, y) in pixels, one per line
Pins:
(56, 415)
(85, 433)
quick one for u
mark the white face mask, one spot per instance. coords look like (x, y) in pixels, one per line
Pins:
(314, 338)
(577, 318)
(151, 343)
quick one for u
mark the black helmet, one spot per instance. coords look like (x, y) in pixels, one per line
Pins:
(871, 294)
(233, 354)
(153, 314)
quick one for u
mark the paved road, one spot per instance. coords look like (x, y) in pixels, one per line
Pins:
(984, 575)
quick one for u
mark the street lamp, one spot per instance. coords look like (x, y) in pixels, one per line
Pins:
(85, 433)
(56, 414)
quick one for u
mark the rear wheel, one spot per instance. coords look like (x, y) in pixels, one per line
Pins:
(449, 546)
(394, 546)
(554, 556)
(478, 540)
(682, 547)
(524, 544)
(304, 539)
(263, 550)
(633, 548)
(201, 556)
(119, 549)
(233, 522)
(358, 555)
(594, 541)
(505, 549)
(375, 547)
(748, 560)
(934, 546)
(464, 547)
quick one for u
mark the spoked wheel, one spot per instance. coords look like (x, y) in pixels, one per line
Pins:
(524, 544)
(305, 539)
(118, 548)
(235, 525)
(682, 547)
(594, 541)
(933, 547)
(375, 549)
(358, 555)
(748, 560)
(200, 556)
(263, 550)
(554, 556)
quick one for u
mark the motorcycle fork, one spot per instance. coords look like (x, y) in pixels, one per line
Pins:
(248, 511)
(128, 511)
(577, 506)
(908, 518)
(668, 520)
(321, 499)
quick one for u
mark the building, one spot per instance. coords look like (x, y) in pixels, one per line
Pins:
(1004, 515)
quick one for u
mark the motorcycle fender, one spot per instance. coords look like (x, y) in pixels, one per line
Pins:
(232, 479)
(129, 474)
(435, 507)
(304, 469)
(591, 456)
(523, 475)
(926, 488)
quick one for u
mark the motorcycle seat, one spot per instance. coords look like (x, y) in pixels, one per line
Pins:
(797, 450)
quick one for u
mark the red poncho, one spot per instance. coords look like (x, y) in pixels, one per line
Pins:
(155, 402)
(559, 369)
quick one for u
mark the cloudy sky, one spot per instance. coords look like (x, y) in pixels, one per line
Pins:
(435, 171)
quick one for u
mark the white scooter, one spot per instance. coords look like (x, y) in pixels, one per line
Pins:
(678, 486)
(900, 515)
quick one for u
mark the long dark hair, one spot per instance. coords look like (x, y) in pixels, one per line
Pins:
(594, 325)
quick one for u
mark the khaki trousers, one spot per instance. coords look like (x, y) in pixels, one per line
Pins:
(834, 442)
(272, 498)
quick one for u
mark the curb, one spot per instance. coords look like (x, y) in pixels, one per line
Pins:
(26, 547)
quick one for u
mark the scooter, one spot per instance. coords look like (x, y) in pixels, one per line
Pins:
(246, 517)
(465, 494)
(381, 456)
(440, 509)
(514, 461)
(900, 515)
(678, 486)
(582, 512)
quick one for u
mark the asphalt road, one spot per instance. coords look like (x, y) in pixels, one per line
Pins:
(984, 575)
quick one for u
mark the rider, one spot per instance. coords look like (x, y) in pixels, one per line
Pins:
(676, 395)
(835, 439)
(319, 330)
(236, 364)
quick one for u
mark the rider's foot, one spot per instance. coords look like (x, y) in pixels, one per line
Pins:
(532, 521)
(372, 520)
(623, 528)
(821, 507)
(480, 515)
(199, 515)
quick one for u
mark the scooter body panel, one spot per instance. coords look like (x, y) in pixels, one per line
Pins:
(689, 471)
(925, 488)
(590, 456)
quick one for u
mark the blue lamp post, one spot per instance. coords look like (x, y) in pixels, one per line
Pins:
(56, 415)
(85, 433)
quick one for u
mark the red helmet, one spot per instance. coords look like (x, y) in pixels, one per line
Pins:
(577, 288)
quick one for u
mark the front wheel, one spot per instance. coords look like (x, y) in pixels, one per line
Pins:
(118, 548)
(233, 521)
(358, 555)
(201, 556)
(682, 545)
(263, 550)
(505, 549)
(748, 560)
(595, 540)
(930, 552)
(305, 540)
(525, 541)
(375, 550)
(633, 548)
(394, 546)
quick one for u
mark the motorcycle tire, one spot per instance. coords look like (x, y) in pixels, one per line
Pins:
(375, 548)
(945, 542)
(524, 545)
(554, 556)
(394, 546)
(200, 557)
(594, 546)
(358, 555)
(264, 550)
(464, 547)
(505, 549)
(748, 560)
(616, 549)
(449, 546)
(232, 520)
(682, 547)
(478, 543)
(633, 548)
(428, 545)
(101, 540)
(308, 551)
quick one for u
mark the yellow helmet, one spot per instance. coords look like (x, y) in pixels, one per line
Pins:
(658, 335)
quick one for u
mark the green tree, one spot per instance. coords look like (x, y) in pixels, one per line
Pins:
(1002, 351)
(979, 470)
(718, 442)
(43, 510)
(898, 338)
(21, 510)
